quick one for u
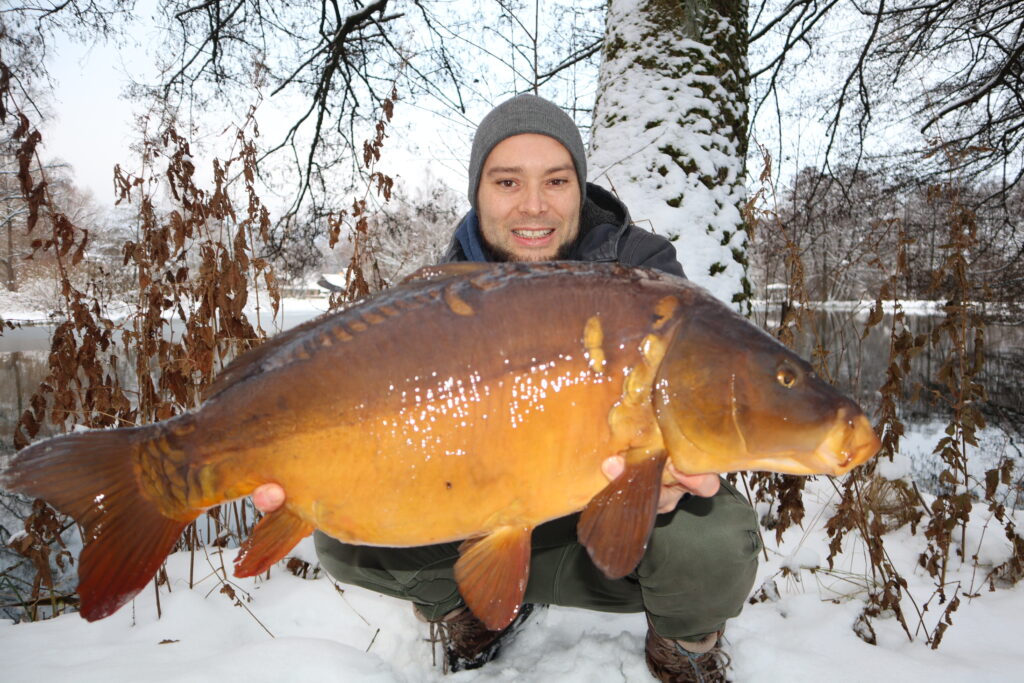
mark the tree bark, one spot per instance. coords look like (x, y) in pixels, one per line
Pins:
(670, 129)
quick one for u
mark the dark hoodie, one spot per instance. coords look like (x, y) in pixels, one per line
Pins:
(606, 234)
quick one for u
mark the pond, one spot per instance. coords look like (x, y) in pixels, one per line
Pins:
(836, 344)
(23, 366)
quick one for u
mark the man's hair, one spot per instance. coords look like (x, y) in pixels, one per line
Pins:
(525, 114)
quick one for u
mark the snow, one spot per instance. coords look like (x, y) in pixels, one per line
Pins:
(289, 628)
(24, 307)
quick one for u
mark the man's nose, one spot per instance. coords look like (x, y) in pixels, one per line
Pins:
(533, 201)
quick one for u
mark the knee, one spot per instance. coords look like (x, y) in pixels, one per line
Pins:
(707, 540)
(336, 558)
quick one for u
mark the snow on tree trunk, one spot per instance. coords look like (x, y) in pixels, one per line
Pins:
(669, 130)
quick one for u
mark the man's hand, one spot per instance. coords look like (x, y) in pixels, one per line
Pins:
(268, 497)
(704, 485)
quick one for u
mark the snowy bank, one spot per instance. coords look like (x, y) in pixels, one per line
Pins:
(289, 628)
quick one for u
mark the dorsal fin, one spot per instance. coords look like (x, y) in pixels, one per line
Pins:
(336, 326)
(448, 270)
(413, 292)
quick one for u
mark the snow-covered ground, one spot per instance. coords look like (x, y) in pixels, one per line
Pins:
(293, 629)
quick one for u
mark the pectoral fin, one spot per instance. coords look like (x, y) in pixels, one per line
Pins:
(492, 572)
(273, 537)
(617, 522)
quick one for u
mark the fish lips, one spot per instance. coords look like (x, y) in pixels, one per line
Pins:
(850, 442)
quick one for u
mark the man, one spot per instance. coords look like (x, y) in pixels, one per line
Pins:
(530, 202)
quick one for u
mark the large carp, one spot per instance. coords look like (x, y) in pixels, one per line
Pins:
(475, 401)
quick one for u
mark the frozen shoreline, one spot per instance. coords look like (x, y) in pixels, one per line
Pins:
(11, 313)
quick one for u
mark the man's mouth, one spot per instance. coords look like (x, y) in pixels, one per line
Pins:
(533, 233)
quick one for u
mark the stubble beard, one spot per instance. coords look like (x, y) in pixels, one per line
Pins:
(500, 255)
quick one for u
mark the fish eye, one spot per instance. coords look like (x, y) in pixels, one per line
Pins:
(786, 376)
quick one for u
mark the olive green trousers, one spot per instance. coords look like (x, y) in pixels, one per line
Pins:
(697, 572)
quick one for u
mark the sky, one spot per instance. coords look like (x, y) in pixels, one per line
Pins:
(95, 122)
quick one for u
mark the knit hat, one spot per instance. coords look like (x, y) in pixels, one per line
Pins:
(525, 114)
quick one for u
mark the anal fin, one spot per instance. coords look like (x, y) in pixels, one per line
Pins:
(273, 537)
(492, 572)
(616, 523)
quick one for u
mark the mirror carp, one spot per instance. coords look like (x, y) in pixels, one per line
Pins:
(473, 401)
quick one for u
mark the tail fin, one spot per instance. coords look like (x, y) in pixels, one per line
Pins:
(91, 476)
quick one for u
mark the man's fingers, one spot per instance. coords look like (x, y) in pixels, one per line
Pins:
(704, 485)
(613, 466)
(669, 498)
(268, 497)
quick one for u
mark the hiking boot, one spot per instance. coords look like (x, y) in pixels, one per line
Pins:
(466, 642)
(677, 661)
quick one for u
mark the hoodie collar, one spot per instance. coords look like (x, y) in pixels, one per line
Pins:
(469, 238)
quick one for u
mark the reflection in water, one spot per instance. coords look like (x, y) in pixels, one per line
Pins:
(21, 372)
(835, 344)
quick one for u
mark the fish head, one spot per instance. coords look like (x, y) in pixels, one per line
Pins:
(729, 397)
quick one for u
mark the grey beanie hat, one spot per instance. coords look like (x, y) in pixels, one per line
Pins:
(525, 114)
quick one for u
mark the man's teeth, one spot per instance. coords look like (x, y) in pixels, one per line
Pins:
(533, 234)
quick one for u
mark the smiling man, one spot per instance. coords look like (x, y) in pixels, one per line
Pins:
(531, 202)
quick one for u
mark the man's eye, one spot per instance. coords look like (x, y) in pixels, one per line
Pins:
(506, 183)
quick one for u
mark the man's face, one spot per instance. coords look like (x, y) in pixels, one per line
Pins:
(529, 199)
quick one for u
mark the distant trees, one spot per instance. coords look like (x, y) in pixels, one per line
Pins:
(408, 232)
(27, 268)
(844, 229)
(930, 90)
(414, 227)
(20, 264)
(12, 213)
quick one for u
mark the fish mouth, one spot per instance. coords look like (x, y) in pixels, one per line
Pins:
(849, 443)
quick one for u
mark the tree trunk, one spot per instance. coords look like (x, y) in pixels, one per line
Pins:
(8, 263)
(670, 128)
(8, 277)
